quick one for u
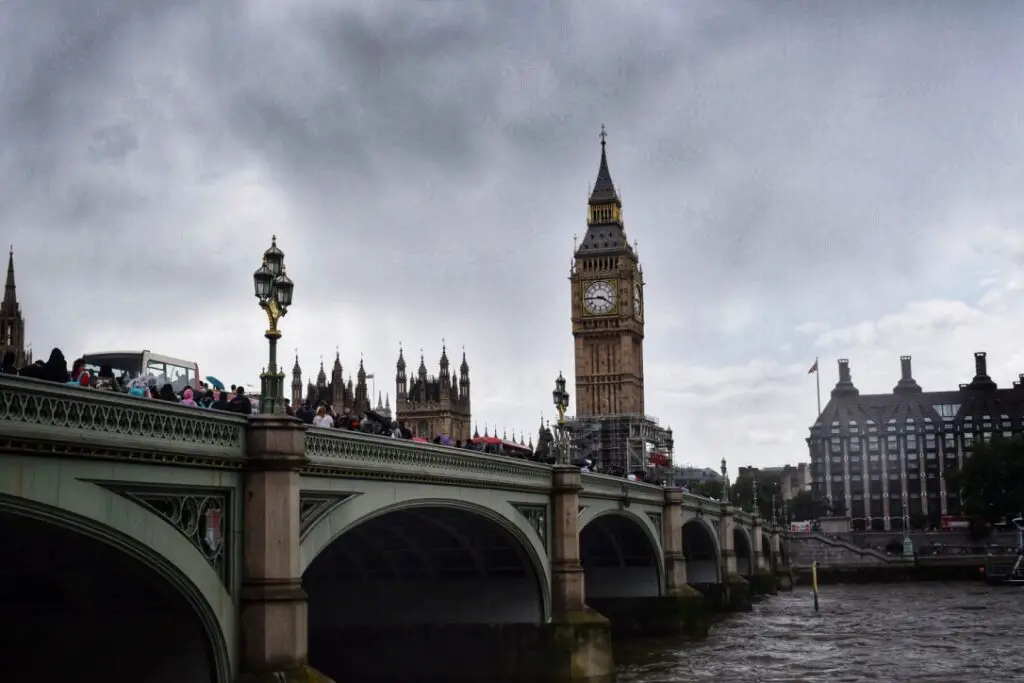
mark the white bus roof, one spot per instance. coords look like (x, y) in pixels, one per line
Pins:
(153, 356)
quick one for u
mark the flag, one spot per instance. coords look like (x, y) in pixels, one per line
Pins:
(370, 376)
(814, 368)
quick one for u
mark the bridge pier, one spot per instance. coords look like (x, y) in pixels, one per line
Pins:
(273, 616)
(762, 579)
(582, 637)
(735, 589)
(783, 570)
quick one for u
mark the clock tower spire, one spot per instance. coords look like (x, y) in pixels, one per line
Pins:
(607, 308)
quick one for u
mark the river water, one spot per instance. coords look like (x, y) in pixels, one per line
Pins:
(906, 633)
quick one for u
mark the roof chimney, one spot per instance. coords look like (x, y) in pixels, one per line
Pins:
(844, 387)
(907, 383)
(981, 379)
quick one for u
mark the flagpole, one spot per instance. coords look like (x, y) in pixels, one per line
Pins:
(817, 381)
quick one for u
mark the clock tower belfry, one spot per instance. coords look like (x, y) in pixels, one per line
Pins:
(607, 308)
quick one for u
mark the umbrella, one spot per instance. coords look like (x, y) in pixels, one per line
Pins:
(217, 384)
(420, 439)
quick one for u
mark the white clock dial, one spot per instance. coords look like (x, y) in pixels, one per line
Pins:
(599, 297)
(638, 303)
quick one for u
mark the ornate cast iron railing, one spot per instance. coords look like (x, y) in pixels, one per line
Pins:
(46, 418)
(336, 452)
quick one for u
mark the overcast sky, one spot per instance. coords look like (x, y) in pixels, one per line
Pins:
(805, 179)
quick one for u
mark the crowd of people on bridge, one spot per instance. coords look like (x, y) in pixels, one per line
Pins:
(55, 369)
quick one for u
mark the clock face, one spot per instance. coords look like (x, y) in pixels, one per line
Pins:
(638, 303)
(599, 297)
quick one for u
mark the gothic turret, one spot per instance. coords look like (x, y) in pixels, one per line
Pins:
(296, 383)
(445, 365)
(337, 382)
(321, 377)
(401, 381)
(12, 324)
(421, 373)
(464, 378)
(361, 403)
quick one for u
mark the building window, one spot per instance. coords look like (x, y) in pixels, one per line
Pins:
(950, 442)
(911, 441)
(837, 445)
(855, 445)
(929, 441)
(891, 443)
(872, 443)
(894, 456)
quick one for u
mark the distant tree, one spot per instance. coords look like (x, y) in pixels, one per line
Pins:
(708, 488)
(801, 506)
(991, 481)
(741, 494)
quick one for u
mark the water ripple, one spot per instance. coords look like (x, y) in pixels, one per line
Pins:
(908, 633)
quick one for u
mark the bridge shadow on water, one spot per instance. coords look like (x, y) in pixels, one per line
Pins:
(73, 606)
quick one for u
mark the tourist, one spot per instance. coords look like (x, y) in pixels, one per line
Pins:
(106, 381)
(8, 367)
(322, 419)
(240, 403)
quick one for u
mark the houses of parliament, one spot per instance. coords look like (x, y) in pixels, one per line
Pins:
(429, 405)
(12, 323)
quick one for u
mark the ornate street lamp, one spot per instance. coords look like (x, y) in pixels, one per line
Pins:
(274, 291)
(560, 397)
(775, 510)
(725, 483)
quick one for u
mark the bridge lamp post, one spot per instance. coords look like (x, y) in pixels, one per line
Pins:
(753, 485)
(560, 397)
(725, 483)
(670, 477)
(274, 291)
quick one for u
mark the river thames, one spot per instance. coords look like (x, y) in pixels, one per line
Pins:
(906, 633)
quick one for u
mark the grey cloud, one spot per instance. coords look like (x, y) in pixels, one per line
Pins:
(426, 165)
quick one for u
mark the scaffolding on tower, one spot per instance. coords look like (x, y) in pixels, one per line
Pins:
(623, 444)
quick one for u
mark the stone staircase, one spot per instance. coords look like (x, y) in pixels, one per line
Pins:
(829, 552)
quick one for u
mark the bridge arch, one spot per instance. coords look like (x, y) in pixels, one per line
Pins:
(113, 580)
(378, 577)
(744, 548)
(702, 551)
(621, 555)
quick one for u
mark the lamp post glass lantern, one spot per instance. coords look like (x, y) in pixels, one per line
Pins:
(274, 290)
(560, 397)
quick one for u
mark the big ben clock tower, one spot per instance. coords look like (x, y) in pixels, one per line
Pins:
(607, 309)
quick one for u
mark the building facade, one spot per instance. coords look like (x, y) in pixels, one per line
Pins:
(12, 324)
(438, 405)
(342, 396)
(880, 459)
(792, 478)
(607, 308)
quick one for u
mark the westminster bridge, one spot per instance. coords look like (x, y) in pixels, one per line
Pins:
(169, 543)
